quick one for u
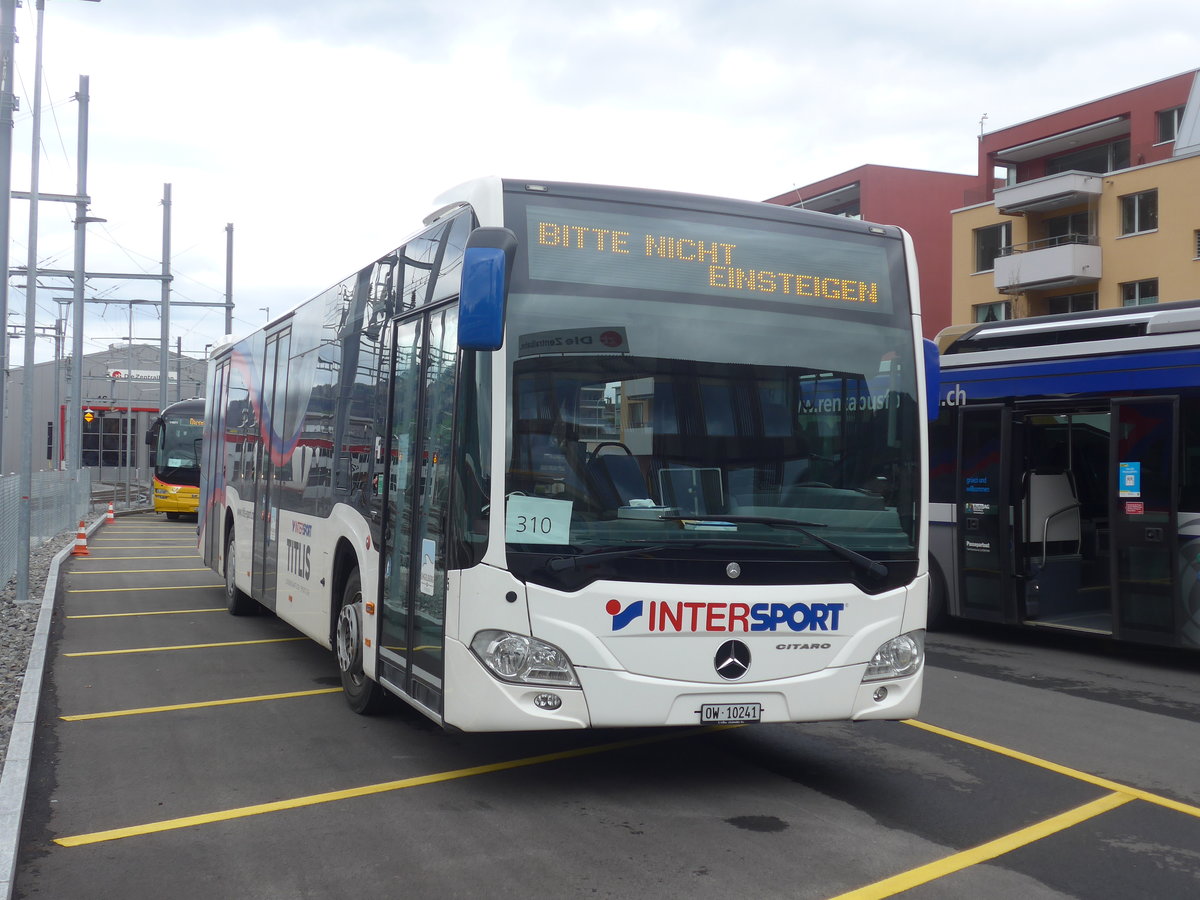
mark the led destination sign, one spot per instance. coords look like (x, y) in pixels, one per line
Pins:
(794, 263)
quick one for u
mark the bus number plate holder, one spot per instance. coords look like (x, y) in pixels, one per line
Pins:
(730, 713)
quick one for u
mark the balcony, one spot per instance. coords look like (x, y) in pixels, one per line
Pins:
(1065, 261)
(1052, 192)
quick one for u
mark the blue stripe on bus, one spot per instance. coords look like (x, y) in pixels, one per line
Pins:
(1090, 375)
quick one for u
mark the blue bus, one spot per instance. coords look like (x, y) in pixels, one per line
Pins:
(1065, 474)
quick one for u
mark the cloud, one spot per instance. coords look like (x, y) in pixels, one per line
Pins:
(323, 130)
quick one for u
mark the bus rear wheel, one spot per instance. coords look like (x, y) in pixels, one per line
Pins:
(236, 601)
(364, 695)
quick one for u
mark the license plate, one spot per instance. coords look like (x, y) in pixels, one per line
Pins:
(729, 713)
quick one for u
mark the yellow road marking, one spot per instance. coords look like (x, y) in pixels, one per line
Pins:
(1104, 783)
(118, 590)
(183, 647)
(155, 612)
(97, 837)
(957, 862)
(91, 558)
(84, 717)
(143, 571)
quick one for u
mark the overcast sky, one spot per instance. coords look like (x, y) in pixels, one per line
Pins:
(322, 130)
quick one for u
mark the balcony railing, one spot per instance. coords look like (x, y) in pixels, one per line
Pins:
(1042, 243)
(1048, 263)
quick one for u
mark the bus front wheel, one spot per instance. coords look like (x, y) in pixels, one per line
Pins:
(236, 601)
(364, 695)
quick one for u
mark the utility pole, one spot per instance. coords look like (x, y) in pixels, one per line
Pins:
(165, 309)
(8, 15)
(228, 279)
(75, 395)
(25, 517)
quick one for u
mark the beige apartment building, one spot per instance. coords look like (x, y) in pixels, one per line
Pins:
(1094, 207)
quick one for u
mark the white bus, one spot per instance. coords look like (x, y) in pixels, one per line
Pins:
(578, 456)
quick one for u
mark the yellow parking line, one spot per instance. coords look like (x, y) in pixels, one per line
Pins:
(959, 861)
(84, 717)
(144, 571)
(90, 558)
(97, 837)
(155, 612)
(171, 587)
(1104, 783)
(182, 647)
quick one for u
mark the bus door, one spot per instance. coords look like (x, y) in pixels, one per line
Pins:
(1143, 515)
(417, 484)
(984, 514)
(213, 466)
(270, 447)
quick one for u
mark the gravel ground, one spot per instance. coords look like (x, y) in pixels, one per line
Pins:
(17, 623)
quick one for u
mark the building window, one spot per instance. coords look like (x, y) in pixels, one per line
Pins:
(1075, 228)
(991, 312)
(1139, 212)
(1139, 293)
(1196, 243)
(1101, 159)
(1168, 123)
(1069, 303)
(990, 243)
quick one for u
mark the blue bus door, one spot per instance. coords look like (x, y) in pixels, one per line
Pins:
(1143, 513)
(984, 514)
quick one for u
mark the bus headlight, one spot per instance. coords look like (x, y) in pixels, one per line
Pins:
(899, 657)
(522, 659)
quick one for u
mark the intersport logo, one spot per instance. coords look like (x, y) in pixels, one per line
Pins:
(693, 617)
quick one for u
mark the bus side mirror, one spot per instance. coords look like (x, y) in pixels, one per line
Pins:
(487, 268)
(933, 380)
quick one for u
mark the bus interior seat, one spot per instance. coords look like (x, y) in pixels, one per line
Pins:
(616, 479)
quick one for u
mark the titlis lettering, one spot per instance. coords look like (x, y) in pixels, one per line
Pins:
(299, 558)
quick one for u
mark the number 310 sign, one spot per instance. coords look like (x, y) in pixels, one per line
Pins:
(536, 520)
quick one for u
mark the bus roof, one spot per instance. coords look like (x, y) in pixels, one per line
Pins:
(1055, 334)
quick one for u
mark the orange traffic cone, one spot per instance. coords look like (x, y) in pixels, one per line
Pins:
(111, 517)
(80, 542)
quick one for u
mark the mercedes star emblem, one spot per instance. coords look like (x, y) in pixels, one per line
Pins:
(732, 660)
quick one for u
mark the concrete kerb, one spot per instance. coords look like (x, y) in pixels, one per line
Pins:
(14, 782)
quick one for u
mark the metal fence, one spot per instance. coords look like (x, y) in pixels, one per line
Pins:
(57, 504)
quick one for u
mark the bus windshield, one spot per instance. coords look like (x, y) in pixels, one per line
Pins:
(179, 444)
(658, 402)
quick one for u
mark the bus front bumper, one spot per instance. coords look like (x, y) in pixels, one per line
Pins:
(476, 701)
(176, 499)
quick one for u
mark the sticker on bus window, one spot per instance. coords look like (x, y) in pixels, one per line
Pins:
(428, 556)
(1130, 484)
(536, 520)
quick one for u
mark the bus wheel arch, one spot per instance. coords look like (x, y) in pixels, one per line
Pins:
(237, 602)
(364, 695)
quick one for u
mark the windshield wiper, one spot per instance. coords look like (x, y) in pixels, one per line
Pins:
(871, 566)
(563, 563)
